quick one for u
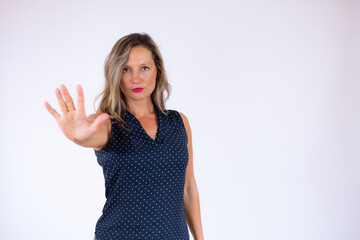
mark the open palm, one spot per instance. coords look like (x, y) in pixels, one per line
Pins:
(74, 123)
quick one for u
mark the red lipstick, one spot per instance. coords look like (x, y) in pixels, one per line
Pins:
(137, 89)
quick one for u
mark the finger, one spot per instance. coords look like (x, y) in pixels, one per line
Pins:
(100, 120)
(80, 99)
(68, 99)
(61, 101)
(51, 110)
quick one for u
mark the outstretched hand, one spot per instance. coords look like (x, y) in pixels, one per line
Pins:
(74, 123)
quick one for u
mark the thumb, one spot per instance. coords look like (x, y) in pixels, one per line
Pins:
(101, 119)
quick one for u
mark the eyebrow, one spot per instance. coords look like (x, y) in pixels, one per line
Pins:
(140, 64)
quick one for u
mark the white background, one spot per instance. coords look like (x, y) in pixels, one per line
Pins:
(271, 90)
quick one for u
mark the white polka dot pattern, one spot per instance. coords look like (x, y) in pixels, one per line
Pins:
(144, 181)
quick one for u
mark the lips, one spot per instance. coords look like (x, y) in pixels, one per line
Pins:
(137, 89)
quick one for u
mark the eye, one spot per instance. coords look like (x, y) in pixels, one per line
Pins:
(125, 69)
(146, 67)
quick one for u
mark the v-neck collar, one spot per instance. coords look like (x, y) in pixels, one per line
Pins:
(142, 130)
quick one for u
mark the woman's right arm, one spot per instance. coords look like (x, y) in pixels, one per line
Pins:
(87, 131)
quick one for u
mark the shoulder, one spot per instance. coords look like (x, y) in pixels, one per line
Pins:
(186, 124)
(182, 117)
(179, 115)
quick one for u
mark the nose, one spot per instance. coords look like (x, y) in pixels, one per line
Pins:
(136, 76)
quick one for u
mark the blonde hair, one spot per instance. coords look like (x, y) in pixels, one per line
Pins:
(112, 98)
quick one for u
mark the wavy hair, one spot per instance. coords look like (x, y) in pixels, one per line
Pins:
(112, 98)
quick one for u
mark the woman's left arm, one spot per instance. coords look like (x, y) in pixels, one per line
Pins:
(191, 195)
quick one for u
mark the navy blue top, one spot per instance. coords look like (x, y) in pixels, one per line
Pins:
(144, 180)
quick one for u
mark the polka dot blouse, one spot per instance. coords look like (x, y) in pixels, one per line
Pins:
(144, 180)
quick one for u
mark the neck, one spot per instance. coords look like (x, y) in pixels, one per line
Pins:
(140, 108)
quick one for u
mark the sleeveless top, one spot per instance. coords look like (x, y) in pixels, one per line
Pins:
(144, 180)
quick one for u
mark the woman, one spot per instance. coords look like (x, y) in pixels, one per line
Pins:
(145, 151)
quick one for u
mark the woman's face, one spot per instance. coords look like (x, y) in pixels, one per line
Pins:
(138, 72)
